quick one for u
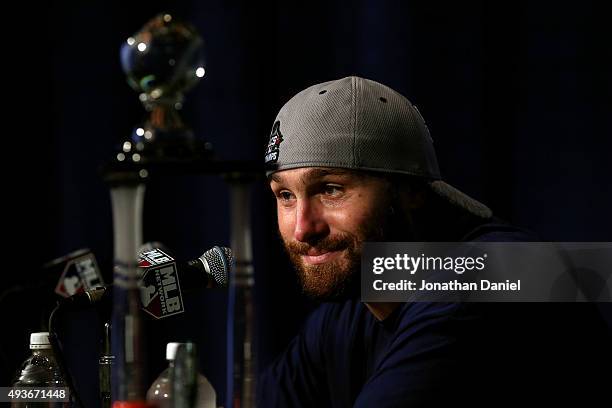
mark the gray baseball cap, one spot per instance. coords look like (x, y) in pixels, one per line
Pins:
(360, 124)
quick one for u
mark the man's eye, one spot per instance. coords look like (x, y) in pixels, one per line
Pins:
(333, 190)
(284, 196)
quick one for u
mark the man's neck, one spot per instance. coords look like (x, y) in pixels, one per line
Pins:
(382, 310)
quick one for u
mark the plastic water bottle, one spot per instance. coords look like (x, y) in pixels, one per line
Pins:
(160, 392)
(40, 370)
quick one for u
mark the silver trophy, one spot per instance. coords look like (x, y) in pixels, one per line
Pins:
(162, 61)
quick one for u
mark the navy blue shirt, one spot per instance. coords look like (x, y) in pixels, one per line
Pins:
(346, 357)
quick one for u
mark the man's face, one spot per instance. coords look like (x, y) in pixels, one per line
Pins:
(324, 217)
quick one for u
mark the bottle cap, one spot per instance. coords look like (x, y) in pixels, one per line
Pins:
(39, 340)
(171, 350)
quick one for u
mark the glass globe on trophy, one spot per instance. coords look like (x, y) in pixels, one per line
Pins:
(162, 61)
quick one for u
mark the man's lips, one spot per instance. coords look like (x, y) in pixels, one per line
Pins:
(317, 257)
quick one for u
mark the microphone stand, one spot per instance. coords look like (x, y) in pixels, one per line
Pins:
(105, 368)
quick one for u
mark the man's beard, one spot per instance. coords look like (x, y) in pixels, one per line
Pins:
(338, 280)
(330, 281)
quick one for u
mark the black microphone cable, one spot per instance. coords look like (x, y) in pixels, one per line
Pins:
(59, 356)
(90, 297)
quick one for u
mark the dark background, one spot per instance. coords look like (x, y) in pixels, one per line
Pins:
(517, 96)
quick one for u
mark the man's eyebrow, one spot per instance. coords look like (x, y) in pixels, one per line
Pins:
(276, 178)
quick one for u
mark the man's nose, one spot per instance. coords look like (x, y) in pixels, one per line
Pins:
(310, 222)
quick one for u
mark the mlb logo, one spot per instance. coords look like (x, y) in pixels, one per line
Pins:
(79, 274)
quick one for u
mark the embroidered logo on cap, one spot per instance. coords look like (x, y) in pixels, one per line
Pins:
(275, 140)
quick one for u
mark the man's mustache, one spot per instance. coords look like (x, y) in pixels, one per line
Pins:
(327, 244)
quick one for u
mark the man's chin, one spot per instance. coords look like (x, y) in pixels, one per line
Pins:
(320, 284)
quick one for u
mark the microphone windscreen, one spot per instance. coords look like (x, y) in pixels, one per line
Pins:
(219, 260)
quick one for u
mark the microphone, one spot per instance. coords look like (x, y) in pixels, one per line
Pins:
(211, 269)
(87, 298)
(78, 271)
(161, 278)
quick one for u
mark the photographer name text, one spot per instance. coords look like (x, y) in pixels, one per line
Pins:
(453, 285)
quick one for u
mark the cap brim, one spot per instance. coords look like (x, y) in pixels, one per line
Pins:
(460, 199)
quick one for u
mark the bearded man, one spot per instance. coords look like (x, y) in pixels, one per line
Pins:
(351, 161)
